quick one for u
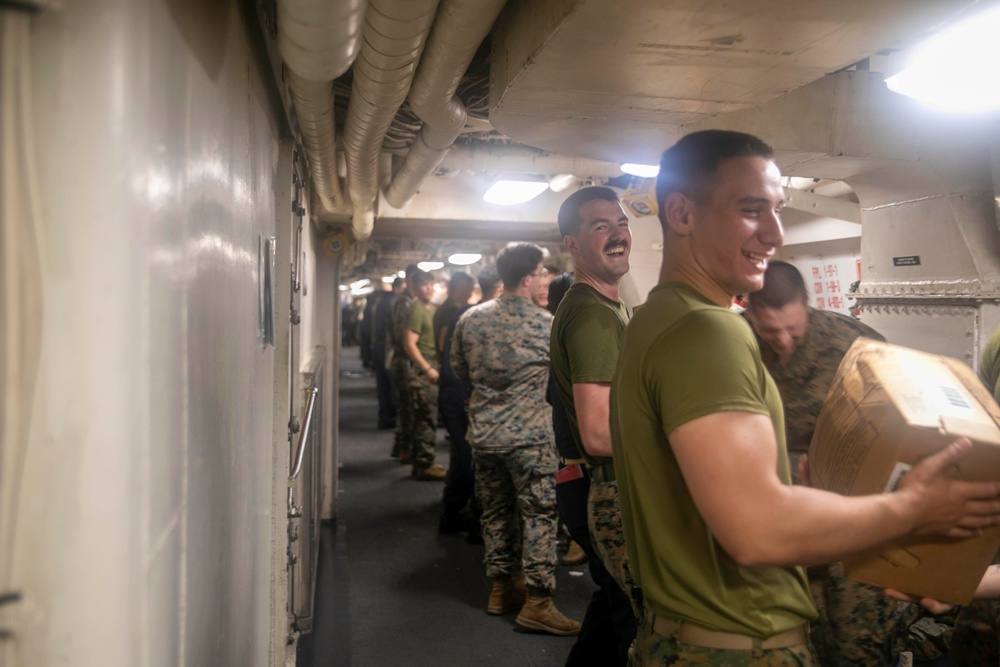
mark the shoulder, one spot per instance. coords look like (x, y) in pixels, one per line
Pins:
(841, 325)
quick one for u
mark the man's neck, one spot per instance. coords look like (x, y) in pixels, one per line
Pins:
(519, 293)
(671, 272)
(608, 290)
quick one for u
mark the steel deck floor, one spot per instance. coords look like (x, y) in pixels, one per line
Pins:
(390, 589)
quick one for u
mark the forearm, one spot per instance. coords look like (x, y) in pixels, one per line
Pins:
(413, 352)
(592, 405)
(989, 587)
(804, 526)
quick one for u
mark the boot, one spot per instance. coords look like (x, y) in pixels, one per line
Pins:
(507, 595)
(574, 555)
(540, 614)
(431, 473)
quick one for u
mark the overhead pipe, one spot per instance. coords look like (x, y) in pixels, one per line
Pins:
(459, 29)
(393, 38)
(524, 160)
(318, 41)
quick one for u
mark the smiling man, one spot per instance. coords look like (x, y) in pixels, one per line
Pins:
(713, 525)
(586, 336)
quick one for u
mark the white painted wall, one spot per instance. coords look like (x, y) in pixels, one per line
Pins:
(144, 520)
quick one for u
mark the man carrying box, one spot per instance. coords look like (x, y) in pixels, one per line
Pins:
(712, 524)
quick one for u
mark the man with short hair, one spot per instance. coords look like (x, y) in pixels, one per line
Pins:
(501, 348)
(586, 336)
(802, 348)
(423, 376)
(713, 525)
(453, 399)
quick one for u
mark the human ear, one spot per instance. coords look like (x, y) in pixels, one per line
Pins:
(677, 213)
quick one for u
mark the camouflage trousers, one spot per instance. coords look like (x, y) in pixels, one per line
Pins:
(653, 650)
(424, 409)
(604, 520)
(517, 490)
(859, 625)
(975, 642)
(403, 441)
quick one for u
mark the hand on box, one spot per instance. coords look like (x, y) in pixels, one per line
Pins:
(942, 505)
(933, 606)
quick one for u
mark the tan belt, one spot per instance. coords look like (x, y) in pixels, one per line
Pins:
(572, 462)
(697, 635)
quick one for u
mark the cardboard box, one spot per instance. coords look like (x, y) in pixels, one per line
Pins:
(888, 408)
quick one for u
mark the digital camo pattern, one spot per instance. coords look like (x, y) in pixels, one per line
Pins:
(517, 491)
(653, 650)
(805, 380)
(604, 520)
(859, 625)
(424, 408)
(502, 348)
(976, 635)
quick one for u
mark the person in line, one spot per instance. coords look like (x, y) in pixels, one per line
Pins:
(715, 530)
(382, 352)
(802, 347)
(501, 348)
(403, 441)
(423, 376)
(586, 336)
(453, 399)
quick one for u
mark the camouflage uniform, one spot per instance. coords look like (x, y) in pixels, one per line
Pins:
(653, 650)
(401, 369)
(858, 624)
(976, 631)
(423, 393)
(501, 348)
(604, 521)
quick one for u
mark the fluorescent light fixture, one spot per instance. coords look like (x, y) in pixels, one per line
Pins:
(430, 266)
(957, 69)
(641, 170)
(508, 193)
(388, 280)
(560, 182)
(358, 284)
(401, 274)
(343, 288)
(464, 258)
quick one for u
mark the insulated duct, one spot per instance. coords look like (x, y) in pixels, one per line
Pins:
(459, 29)
(318, 41)
(394, 36)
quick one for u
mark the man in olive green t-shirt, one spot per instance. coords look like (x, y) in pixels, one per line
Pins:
(422, 353)
(713, 526)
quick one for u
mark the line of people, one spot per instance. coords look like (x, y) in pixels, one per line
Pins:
(674, 444)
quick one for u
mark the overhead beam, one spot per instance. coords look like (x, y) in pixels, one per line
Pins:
(480, 230)
(826, 207)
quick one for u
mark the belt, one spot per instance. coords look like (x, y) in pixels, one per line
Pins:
(697, 635)
(571, 462)
(602, 473)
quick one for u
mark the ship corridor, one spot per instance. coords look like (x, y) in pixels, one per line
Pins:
(390, 589)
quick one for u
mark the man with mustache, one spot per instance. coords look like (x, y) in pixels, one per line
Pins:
(714, 527)
(586, 335)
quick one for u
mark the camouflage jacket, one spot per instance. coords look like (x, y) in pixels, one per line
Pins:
(805, 380)
(502, 348)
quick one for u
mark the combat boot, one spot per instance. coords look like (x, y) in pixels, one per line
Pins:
(539, 613)
(431, 473)
(574, 554)
(507, 595)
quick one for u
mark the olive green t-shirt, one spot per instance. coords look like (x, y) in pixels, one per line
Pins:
(421, 320)
(683, 358)
(586, 336)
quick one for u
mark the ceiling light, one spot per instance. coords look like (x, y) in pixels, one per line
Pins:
(508, 193)
(388, 280)
(358, 284)
(560, 182)
(430, 266)
(464, 258)
(957, 68)
(401, 274)
(641, 170)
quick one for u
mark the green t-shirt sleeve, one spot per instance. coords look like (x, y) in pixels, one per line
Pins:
(592, 339)
(707, 363)
(415, 319)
